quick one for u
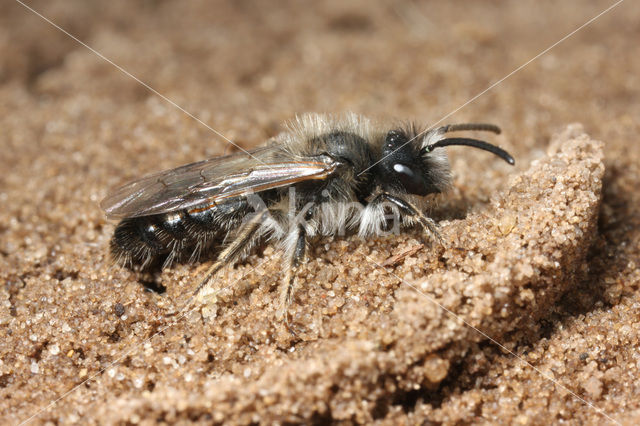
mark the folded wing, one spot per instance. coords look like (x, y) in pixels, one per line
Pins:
(208, 182)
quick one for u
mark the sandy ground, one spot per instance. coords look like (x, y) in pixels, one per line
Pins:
(529, 313)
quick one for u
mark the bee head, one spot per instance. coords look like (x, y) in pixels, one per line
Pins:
(406, 168)
(411, 162)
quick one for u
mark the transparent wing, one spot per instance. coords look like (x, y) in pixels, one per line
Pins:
(207, 182)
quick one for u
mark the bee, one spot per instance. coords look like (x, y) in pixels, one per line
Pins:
(323, 176)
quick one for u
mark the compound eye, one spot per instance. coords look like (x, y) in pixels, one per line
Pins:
(410, 180)
(395, 139)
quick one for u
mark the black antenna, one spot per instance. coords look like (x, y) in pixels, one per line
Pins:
(481, 127)
(474, 143)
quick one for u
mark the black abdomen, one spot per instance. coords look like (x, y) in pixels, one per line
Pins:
(175, 236)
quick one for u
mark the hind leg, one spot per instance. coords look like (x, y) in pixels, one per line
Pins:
(246, 238)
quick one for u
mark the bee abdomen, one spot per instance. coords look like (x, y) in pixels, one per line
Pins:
(138, 241)
(180, 235)
(142, 240)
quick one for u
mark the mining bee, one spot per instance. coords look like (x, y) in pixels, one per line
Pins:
(323, 176)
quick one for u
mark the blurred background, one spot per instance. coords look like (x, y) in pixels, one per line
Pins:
(245, 66)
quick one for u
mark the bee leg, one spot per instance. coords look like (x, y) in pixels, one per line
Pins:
(407, 208)
(295, 258)
(245, 237)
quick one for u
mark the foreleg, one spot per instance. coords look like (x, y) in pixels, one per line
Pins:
(409, 209)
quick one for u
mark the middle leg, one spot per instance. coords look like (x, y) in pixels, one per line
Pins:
(297, 240)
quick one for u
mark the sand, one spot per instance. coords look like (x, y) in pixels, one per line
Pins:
(527, 314)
